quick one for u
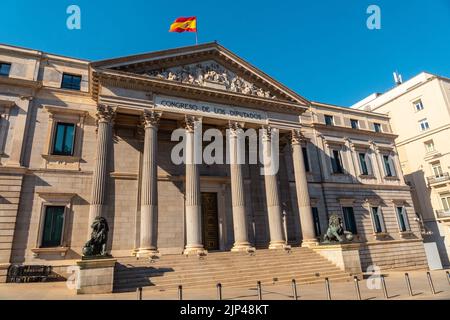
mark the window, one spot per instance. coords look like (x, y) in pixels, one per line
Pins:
(402, 219)
(388, 166)
(354, 123)
(316, 219)
(437, 170)
(70, 81)
(53, 226)
(336, 162)
(418, 105)
(377, 127)
(364, 163)
(329, 121)
(446, 202)
(429, 146)
(377, 220)
(64, 139)
(349, 219)
(5, 68)
(305, 158)
(424, 125)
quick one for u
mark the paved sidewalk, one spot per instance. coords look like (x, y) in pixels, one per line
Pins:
(395, 283)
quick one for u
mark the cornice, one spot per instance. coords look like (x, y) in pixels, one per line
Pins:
(322, 126)
(21, 82)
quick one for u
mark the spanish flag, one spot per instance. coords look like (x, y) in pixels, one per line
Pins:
(188, 24)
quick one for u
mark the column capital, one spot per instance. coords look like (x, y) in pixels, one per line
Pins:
(105, 113)
(267, 132)
(297, 137)
(234, 127)
(189, 122)
(150, 118)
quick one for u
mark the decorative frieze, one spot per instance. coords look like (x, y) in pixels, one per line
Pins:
(210, 74)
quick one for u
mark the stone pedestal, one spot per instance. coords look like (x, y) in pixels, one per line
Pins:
(95, 276)
(344, 256)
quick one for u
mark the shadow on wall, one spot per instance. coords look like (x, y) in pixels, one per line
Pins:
(363, 215)
(424, 208)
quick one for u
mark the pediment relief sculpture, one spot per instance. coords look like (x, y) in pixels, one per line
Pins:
(210, 74)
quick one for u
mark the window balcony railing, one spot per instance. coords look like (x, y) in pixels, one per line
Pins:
(443, 214)
(438, 179)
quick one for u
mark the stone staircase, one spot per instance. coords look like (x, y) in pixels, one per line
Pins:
(232, 269)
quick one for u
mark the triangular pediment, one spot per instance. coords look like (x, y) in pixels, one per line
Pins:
(209, 65)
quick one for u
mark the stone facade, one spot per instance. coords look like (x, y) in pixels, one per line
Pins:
(120, 166)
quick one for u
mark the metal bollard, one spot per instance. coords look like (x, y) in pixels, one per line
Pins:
(430, 282)
(219, 291)
(294, 289)
(139, 293)
(258, 286)
(327, 287)
(358, 292)
(180, 292)
(448, 276)
(408, 285)
(383, 284)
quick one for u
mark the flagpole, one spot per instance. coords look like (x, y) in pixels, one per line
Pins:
(196, 32)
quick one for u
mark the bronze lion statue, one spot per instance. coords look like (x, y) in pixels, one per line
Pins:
(336, 232)
(96, 246)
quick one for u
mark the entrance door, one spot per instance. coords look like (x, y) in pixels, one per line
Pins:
(210, 221)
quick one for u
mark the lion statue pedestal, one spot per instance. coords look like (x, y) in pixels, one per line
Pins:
(338, 248)
(96, 267)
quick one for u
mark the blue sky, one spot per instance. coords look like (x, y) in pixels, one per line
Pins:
(322, 49)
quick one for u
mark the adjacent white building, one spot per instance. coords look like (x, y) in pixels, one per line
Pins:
(420, 114)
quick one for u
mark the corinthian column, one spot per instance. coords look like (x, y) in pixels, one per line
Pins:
(194, 243)
(301, 186)
(149, 194)
(241, 242)
(104, 117)
(272, 194)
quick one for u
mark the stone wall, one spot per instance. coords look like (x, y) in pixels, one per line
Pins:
(10, 186)
(387, 255)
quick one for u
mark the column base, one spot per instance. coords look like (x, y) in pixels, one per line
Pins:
(198, 251)
(146, 252)
(310, 243)
(279, 245)
(243, 247)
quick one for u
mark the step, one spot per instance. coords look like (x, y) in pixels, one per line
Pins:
(208, 272)
(210, 282)
(232, 269)
(187, 260)
(221, 262)
(337, 277)
(241, 266)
